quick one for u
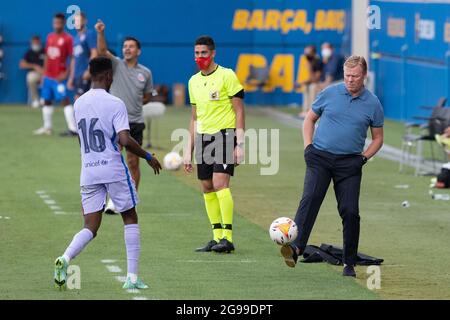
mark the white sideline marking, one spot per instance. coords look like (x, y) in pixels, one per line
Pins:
(108, 261)
(51, 203)
(7, 218)
(217, 261)
(121, 279)
(114, 269)
(133, 290)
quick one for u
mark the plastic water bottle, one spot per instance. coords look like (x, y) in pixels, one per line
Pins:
(441, 196)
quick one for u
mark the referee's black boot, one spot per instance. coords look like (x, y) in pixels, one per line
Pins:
(223, 246)
(208, 247)
(349, 271)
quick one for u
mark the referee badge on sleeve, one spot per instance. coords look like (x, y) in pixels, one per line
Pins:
(214, 96)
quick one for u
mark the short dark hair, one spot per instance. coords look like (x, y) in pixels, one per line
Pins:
(207, 41)
(313, 47)
(36, 37)
(138, 44)
(60, 15)
(99, 65)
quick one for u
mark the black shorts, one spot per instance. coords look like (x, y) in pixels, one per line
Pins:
(137, 132)
(215, 153)
(81, 86)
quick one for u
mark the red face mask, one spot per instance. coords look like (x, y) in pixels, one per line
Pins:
(203, 62)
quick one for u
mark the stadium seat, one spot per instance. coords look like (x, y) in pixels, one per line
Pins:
(436, 124)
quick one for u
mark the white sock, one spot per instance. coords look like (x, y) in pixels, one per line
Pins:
(66, 257)
(79, 241)
(132, 277)
(70, 118)
(133, 247)
(47, 114)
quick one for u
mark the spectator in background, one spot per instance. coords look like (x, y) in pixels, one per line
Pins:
(84, 49)
(444, 140)
(314, 71)
(333, 66)
(443, 178)
(33, 61)
(58, 50)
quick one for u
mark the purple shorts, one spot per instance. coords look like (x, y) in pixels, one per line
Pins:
(122, 193)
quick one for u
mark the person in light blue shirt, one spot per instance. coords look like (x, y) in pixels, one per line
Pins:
(335, 151)
(84, 49)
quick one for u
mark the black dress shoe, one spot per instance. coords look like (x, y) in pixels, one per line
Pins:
(290, 255)
(349, 271)
(223, 246)
(208, 247)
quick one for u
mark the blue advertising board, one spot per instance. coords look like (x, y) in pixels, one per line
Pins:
(270, 33)
(411, 56)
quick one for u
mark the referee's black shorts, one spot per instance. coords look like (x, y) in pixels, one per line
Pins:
(137, 132)
(215, 153)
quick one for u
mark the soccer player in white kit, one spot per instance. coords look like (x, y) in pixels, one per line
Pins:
(102, 123)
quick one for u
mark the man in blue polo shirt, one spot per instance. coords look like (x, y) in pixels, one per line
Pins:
(346, 110)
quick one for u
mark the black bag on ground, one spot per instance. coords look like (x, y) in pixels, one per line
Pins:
(444, 177)
(334, 255)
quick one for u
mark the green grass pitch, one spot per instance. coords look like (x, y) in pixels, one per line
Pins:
(412, 241)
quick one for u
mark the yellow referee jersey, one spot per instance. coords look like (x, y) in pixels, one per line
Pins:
(212, 95)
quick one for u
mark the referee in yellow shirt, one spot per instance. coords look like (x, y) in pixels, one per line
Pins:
(217, 131)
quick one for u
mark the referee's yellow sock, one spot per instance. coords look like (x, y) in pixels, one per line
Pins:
(213, 210)
(226, 208)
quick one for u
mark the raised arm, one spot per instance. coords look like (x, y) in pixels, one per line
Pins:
(102, 48)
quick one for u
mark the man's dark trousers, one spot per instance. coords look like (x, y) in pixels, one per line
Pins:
(346, 173)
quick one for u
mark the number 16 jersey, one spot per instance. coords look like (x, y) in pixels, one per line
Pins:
(100, 117)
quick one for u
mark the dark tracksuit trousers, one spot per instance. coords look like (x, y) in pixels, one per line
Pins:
(346, 173)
